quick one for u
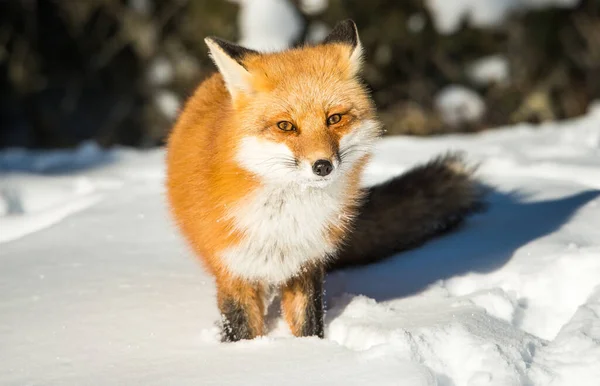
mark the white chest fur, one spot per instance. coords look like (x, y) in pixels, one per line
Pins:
(285, 228)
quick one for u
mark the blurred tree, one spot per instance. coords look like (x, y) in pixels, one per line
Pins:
(117, 71)
(110, 70)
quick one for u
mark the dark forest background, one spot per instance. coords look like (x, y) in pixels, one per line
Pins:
(105, 70)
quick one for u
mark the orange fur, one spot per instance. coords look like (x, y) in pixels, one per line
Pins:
(249, 295)
(203, 178)
(205, 181)
(294, 299)
(296, 296)
(202, 182)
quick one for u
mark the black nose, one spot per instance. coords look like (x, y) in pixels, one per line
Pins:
(322, 167)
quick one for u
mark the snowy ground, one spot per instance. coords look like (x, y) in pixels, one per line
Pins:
(96, 288)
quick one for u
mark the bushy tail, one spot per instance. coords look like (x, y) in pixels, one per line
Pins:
(412, 208)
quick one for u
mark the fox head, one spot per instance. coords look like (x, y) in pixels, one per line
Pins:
(303, 114)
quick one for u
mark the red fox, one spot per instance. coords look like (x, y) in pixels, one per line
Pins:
(264, 172)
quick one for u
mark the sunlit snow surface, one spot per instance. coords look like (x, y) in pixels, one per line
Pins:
(97, 288)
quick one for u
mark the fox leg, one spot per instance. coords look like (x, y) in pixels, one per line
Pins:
(302, 302)
(241, 305)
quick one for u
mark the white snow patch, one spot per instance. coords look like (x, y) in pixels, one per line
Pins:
(112, 294)
(458, 105)
(312, 7)
(490, 69)
(142, 6)
(416, 22)
(88, 154)
(317, 32)
(268, 25)
(449, 14)
(573, 357)
(168, 103)
(15, 226)
(458, 341)
(160, 71)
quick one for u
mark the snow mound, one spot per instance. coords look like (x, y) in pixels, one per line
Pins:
(458, 105)
(452, 337)
(30, 204)
(573, 357)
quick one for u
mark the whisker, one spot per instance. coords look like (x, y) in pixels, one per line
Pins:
(347, 152)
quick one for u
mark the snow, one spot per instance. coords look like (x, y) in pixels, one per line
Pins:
(313, 7)
(107, 293)
(317, 32)
(416, 23)
(489, 69)
(168, 103)
(160, 71)
(269, 25)
(142, 6)
(449, 14)
(458, 105)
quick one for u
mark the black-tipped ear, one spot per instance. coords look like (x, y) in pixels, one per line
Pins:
(344, 32)
(229, 60)
(232, 50)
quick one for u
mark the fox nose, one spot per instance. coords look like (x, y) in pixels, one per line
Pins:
(322, 167)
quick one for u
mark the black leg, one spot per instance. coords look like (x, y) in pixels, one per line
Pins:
(241, 306)
(234, 322)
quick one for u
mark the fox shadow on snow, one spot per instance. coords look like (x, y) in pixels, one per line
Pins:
(483, 244)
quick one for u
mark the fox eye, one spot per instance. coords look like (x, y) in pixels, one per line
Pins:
(285, 126)
(333, 119)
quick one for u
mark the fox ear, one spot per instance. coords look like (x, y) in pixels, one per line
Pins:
(229, 60)
(345, 32)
